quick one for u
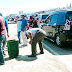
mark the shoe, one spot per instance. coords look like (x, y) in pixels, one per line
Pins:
(19, 42)
(4, 54)
(31, 55)
(24, 45)
(1, 63)
(41, 52)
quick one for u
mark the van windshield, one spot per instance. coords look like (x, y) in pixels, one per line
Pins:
(70, 18)
(44, 16)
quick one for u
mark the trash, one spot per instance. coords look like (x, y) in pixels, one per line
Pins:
(13, 50)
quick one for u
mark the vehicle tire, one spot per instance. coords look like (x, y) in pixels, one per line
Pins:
(58, 41)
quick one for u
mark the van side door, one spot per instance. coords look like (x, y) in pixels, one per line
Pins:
(52, 25)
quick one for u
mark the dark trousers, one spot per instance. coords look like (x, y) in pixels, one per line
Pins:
(1, 51)
(35, 26)
(39, 36)
(19, 36)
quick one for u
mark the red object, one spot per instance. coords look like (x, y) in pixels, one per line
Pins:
(8, 35)
(35, 22)
(28, 26)
(40, 21)
(30, 20)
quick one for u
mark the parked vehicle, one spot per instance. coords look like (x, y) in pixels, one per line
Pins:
(41, 18)
(59, 28)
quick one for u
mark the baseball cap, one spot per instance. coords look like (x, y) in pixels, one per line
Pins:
(18, 16)
(22, 14)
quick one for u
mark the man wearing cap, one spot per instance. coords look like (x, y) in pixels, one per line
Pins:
(23, 28)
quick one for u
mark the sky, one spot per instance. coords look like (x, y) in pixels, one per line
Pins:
(14, 6)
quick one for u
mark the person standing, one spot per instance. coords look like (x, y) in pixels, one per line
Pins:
(6, 26)
(18, 28)
(4, 42)
(35, 21)
(2, 37)
(24, 28)
(36, 35)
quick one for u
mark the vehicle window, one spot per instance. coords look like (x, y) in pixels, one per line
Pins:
(54, 18)
(44, 16)
(69, 17)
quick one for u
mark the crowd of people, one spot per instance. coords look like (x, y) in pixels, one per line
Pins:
(35, 34)
(34, 21)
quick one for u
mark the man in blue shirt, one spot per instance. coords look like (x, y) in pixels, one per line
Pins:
(24, 28)
(4, 42)
(6, 25)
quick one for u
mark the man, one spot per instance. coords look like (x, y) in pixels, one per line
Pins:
(2, 36)
(18, 28)
(36, 35)
(35, 21)
(4, 42)
(23, 29)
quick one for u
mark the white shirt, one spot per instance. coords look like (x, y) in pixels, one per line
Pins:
(19, 26)
(33, 31)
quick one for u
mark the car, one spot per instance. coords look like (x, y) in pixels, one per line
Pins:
(59, 27)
